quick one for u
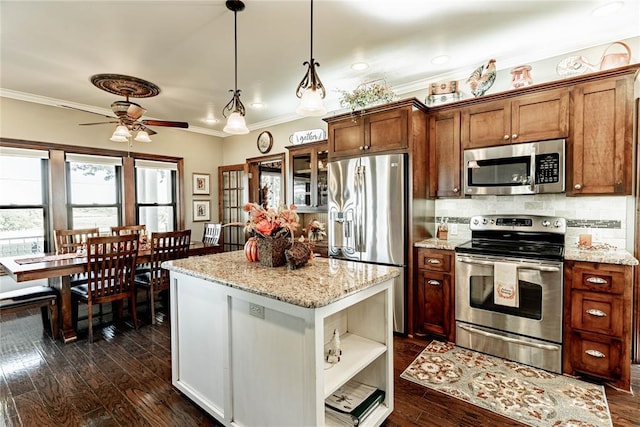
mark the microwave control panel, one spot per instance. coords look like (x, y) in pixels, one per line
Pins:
(547, 168)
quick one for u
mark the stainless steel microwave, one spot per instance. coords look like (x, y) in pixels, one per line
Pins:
(527, 168)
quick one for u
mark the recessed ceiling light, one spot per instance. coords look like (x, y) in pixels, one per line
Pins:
(440, 59)
(607, 9)
(359, 66)
(257, 105)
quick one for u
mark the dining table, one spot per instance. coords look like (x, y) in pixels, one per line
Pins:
(58, 269)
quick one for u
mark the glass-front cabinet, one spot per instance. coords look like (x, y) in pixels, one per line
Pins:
(308, 188)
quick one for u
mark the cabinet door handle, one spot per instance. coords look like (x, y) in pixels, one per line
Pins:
(361, 147)
(514, 136)
(577, 186)
(433, 282)
(597, 280)
(506, 137)
(433, 261)
(456, 189)
(596, 312)
(595, 353)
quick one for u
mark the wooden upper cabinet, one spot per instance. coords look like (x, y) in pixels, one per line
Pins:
(444, 158)
(600, 152)
(362, 134)
(525, 118)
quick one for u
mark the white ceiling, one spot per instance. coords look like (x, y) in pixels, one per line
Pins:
(49, 49)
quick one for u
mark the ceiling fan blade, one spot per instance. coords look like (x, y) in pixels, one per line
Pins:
(86, 111)
(165, 123)
(97, 123)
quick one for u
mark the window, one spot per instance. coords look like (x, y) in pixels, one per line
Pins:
(94, 198)
(23, 201)
(156, 192)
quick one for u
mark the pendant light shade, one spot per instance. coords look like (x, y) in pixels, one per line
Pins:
(236, 124)
(122, 131)
(234, 111)
(116, 138)
(311, 90)
(142, 136)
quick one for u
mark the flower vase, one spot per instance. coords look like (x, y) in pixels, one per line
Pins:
(271, 251)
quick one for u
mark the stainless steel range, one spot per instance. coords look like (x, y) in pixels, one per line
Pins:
(509, 284)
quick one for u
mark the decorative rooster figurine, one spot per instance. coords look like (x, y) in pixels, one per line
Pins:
(482, 78)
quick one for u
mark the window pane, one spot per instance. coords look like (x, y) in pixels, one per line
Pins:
(92, 184)
(153, 185)
(103, 218)
(21, 231)
(157, 218)
(20, 180)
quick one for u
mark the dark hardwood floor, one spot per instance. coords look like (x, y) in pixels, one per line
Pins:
(124, 379)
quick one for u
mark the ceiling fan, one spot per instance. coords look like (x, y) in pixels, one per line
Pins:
(127, 113)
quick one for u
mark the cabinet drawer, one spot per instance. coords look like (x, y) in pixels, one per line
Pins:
(434, 260)
(596, 278)
(596, 355)
(597, 312)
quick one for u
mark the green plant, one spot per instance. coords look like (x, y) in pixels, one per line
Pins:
(366, 94)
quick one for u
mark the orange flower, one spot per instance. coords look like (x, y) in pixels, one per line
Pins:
(271, 222)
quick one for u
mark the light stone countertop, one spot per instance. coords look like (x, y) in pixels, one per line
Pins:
(607, 256)
(435, 243)
(571, 252)
(321, 282)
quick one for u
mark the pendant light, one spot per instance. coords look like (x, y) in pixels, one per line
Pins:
(234, 111)
(310, 90)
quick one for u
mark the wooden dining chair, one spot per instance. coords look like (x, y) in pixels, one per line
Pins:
(68, 241)
(128, 229)
(211, 233)
(111, 262)
(164, 247)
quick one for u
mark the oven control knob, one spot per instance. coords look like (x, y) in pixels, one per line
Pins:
(557, 223)
(546, 223)
(484, 221)
(475, 221)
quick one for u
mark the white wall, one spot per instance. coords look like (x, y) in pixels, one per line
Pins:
(36, 122)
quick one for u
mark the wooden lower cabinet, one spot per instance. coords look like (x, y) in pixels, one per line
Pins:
(434, 290)
(597, 321)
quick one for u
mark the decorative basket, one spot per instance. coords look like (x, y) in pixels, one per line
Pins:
(271, 251)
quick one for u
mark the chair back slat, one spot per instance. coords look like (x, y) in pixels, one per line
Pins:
(211, 233)
(165, 247)
(128, 229)
(68, 241)
(111, 266)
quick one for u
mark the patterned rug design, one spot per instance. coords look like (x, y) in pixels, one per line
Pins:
(529, 395)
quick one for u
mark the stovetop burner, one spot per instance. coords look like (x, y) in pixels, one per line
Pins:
(521, 236)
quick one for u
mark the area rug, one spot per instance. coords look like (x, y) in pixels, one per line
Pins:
(531, 396)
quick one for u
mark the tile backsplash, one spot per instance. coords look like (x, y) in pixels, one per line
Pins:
(608, 219)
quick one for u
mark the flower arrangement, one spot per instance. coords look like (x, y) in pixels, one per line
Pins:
(271, 222)
(366, 94)
(316, 230)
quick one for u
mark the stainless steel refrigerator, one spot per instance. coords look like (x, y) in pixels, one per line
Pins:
(367, 216)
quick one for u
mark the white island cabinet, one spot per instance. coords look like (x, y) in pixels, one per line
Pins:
(249, 342)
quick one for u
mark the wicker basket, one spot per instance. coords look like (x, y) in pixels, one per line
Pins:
(271, 251)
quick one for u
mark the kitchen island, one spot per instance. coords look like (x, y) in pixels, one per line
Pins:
(249, 342)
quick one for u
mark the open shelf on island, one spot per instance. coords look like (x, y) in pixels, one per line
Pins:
(357, 353)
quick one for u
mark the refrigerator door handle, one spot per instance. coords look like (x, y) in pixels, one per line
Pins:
(362, 203)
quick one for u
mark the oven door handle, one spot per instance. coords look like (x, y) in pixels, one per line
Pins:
(546, 269)
(511, 340)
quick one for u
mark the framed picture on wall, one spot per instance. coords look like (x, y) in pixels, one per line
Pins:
(201, 210)
(201, 183)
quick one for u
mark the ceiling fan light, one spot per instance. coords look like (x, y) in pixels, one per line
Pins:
(311, 104)
(142, 136)
(122, 131)
(118, 138)
(236, 124)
